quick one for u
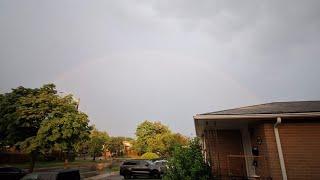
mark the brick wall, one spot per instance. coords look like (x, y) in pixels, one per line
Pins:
(228, 143)
(272, 151)
(301, 149)
(300, 144)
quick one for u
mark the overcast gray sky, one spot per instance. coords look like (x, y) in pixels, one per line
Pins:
(164, 60)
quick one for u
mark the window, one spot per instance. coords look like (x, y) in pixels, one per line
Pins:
(129, 163)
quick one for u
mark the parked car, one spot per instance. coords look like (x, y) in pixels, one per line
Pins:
(12, 173)
(54, 175)
(162, 164)
(132, 168)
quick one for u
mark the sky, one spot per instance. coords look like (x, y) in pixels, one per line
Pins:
(130, 61)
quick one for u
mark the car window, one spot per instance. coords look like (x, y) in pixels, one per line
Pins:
(129, 163)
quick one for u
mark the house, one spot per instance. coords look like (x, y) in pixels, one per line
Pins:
(128, 149)
(279, 140)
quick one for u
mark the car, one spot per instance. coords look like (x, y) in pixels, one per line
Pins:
(65, 174)
(133, 168)
(162, 164)
(12, 173)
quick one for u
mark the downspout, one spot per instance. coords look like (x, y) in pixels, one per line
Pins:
(280, 153)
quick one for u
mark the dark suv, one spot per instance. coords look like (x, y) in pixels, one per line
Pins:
(132, 168)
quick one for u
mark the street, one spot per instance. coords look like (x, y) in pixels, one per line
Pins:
(118, 177)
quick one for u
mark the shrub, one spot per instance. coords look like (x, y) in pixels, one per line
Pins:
(188, 163)
(149, 155)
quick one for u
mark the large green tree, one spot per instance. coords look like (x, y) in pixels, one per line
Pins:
(37, 120)
(147, 130)
(22, 111)
(63, 133)
(157, 138)
(165, 143)
(97, 142)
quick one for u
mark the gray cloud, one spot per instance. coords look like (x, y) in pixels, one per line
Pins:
(162, 60)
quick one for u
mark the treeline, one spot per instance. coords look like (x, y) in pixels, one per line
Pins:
(100, 142)
(39, 121)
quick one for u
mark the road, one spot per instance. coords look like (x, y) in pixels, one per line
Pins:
(118, 177)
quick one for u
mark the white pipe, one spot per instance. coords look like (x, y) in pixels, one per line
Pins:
(282, 164)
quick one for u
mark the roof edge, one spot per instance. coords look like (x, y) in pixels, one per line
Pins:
(254, 116)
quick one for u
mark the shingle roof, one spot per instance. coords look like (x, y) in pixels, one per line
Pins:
(273, 108)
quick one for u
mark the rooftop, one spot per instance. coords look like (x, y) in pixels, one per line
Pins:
(272, 108)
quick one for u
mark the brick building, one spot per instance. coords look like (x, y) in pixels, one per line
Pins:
(278, 140)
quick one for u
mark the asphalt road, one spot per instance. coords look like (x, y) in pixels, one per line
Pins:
(118, 177)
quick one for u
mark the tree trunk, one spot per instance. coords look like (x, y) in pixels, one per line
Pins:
(94, 156)
(33, 161)
(66, 160)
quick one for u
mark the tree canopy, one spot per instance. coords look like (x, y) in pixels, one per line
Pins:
(23, 110)
(115, 145)
(157, 138)
(97, 142)
(39, 120)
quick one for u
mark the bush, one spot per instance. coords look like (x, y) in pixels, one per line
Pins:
(149, 155)
(188, 163)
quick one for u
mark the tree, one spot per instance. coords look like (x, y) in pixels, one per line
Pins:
(37, 120)
(147, 130)
(149, 155)
(164, 144)
(115, 145)
(157, 138)
(62, 133)
(97, 141)
(19, 118)
(21, 113)
(188, 163)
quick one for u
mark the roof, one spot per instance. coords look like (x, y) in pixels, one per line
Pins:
(273, 108)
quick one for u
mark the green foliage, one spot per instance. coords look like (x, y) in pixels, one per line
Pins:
(115, 145)
(63, 133)
(164, 144)
(23, 110)
(39, 120)
(149, 155)
(157, 138)
(97, 142)
(188, 163)
(147, 130)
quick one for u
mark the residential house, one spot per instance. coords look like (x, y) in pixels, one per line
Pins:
(279, 140)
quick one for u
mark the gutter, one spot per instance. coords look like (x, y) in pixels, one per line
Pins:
(254, 116)
(279, 148)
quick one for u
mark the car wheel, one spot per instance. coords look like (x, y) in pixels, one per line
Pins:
(155, 174)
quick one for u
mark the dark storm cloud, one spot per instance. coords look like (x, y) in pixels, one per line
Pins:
(162, 60)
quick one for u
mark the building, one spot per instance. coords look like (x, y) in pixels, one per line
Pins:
(278, 140)
(128, 149)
